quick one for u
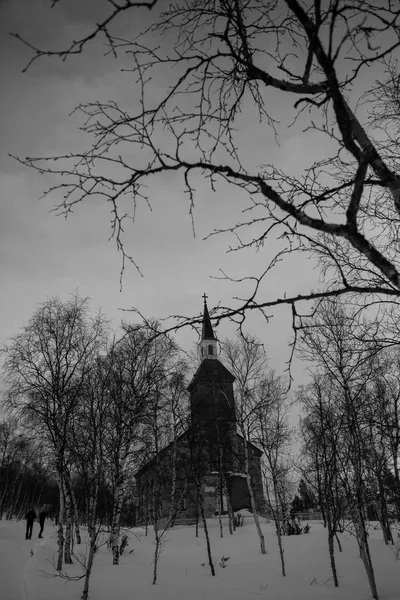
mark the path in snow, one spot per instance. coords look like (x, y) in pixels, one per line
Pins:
(15, 553)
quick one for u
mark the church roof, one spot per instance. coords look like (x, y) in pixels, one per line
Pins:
(182, 439)
(211, 370)
(207, 332)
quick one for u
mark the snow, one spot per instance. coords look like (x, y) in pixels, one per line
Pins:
(184, 572)
(15, 555)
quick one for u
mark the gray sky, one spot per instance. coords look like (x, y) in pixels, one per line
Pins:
(42, 255)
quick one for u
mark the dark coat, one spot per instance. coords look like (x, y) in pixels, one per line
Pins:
(42, 516)
(30, 515)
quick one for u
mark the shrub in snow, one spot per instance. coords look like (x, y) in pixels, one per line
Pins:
(238, 520)
(124, 543)
(223, 561)
(293, 527)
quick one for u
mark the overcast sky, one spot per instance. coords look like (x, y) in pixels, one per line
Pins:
(43, 255)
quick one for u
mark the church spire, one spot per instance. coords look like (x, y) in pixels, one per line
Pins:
(207, 333)
(208, 343)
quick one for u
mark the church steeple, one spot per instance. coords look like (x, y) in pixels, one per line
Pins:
(208, 344)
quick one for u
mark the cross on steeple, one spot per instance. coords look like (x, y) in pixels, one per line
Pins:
(204, 296)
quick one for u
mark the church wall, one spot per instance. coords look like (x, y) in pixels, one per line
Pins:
(154, 484)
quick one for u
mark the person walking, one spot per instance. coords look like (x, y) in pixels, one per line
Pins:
(42, 516)
(30, 517)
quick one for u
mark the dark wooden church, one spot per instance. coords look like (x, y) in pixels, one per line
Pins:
(207, 462)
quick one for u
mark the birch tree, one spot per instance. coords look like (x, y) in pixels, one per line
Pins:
(45, 368)
(87, 450)
(322, 430)
(247, 361)
(385, 414)
(273, 435)
(138, 363)
(339, 345)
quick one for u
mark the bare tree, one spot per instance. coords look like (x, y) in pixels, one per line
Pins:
(274, 437)
(247, 361)
(229, 64)
(45, 369)
(138, 366)
(337, 341)
(176, 395)
(87, 451)
(384, 417)
(322, 431)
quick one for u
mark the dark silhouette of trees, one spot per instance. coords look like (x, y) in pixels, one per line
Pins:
(26, 476)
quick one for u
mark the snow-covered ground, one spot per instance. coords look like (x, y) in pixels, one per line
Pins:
(184, 573)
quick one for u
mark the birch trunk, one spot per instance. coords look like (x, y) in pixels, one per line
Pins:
(93, 545)
(147, 510)
(157, 552)
(203, 518)
(68, 524)
(362, 539)
(252, 500)
(276, 516)
(60, 525)
(197, 512)
(219, 507)
(115, 525)
(383, 517)
(75, 514)
(397, 479)
(231, 521)
(338, 542)
(331, 547)
(172, 508)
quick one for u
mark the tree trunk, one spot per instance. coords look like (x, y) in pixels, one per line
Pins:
(172, 508)
(397, 479)
(219, 507)
(60, 525)
(75, 513)
(231, 522)
(203, 518)
(15, 503)
(147, 509)
(2, 498)
(276, 517)
(93, 545)
(68, 525)
(252, 500)
(11, 504)
(331, 535)
(115, 525)
(362, 539)
(338, 542)
(197, 512)
(384, 517)
(157, 551)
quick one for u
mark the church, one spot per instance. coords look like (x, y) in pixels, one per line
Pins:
(207, 463)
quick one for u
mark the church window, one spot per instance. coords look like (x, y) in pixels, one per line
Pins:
(210, 349)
